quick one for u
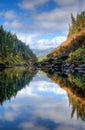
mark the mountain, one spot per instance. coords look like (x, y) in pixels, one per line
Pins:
(41, 52)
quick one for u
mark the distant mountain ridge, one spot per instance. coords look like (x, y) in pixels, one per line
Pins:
(41, 52)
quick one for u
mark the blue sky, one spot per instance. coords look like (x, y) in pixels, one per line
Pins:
(40, 23)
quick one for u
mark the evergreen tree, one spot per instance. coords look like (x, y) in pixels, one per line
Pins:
(13, 51)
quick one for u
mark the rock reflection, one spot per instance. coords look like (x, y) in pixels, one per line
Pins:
(74, 85)
(13, 80)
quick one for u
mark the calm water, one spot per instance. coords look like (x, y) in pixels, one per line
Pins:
(39, 101)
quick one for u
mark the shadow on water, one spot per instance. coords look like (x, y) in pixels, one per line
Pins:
(74, 85)
(12, 80)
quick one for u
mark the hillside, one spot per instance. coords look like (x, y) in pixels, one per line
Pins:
(69, 46)
(73, 49)
(14, 52)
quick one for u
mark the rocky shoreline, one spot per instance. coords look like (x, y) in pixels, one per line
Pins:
(64, 67)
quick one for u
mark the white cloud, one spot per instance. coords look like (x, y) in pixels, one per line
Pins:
(40, 85)
(14, 24)
(31, 126)
(50, 43)
(43, 23)
(58, 19)
(42, 43)
(65, 2)
(54, 42)
(26, 37)
(47, 22)
(31, 4)
(10, 14)
(73, 4)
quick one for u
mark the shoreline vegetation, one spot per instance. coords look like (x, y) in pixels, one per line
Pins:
(70, 55)
(14, 52)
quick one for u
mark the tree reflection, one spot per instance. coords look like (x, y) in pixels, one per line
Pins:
(74, 85)
(13, 80)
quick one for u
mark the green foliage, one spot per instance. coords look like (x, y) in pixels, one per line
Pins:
(41, 58)
(14, 51)
(73, 19)
(12, 80)
(77, 56)
(77, 23)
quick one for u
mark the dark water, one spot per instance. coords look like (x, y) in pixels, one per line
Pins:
(39, 101)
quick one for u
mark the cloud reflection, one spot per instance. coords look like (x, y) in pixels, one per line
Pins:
(31, 110)
(39, 85)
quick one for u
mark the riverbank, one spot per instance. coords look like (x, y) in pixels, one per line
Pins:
(70, 55)
(62, 67)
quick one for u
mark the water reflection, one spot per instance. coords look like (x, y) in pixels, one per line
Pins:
(74, 85)
(42, 101)
(13, 80)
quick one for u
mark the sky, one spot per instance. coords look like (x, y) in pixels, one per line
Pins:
(41, 24)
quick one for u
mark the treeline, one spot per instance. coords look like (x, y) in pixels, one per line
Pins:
(77, 24)
(13, 51)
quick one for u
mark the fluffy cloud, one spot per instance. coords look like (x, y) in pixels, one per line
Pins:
(14, 24)
(29, 39)
(10, 14)
(42, 86)
(65, 2)
(47, 22)
(48, 43)
(56, 20)
(77, 4)
(31, 4)
(41, 83)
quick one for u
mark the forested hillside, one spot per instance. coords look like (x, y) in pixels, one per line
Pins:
(13, 51)
(73, 49)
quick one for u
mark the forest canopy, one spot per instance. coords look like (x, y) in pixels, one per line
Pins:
(13, 51)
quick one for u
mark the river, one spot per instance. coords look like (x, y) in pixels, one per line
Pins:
(31, 100)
